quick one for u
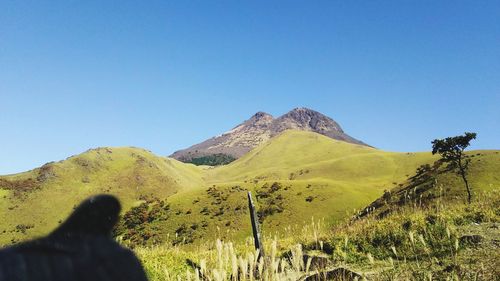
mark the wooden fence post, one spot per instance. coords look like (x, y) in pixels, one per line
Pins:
(255, 226)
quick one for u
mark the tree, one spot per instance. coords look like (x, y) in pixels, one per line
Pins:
(451, 150)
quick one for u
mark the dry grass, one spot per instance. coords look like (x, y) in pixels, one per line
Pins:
(411, 244)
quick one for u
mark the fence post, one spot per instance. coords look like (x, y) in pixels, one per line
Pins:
(255, 226)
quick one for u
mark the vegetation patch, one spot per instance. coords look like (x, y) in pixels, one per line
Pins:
(212, 160)
(136, 228)
(270, 200)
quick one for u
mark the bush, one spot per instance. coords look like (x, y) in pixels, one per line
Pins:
(212, 160)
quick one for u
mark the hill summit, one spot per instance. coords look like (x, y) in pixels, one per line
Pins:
(258, 129)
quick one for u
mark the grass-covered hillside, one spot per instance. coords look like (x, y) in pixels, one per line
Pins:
(294, 176)
(32, 203)
(443, 240)
(422, 229)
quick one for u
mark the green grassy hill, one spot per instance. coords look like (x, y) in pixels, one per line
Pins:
(295, 176)
(298, 155)
(32, 203)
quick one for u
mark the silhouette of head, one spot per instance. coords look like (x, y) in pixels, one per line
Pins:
(96, 215)
(80, 249)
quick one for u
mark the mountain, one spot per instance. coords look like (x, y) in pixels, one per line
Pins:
(293, 176)
(257, 130)
(39, 198)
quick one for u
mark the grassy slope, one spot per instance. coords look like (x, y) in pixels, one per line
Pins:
(342, 176)
(414, 243)
(338, 177)
(438, 227)
(129, 173)
(308, 156)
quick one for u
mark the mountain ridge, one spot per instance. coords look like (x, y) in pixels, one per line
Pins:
(307, 170)
(258, 129)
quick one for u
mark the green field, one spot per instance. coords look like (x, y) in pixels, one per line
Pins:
(306, 186)
(42, 197)
(313, 176)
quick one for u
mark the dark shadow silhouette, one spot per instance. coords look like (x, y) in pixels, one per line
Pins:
(81, 249)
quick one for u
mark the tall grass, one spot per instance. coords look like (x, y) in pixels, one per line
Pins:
(223, 260)
(413, 243)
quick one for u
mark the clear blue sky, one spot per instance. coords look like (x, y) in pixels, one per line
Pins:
(164, 75)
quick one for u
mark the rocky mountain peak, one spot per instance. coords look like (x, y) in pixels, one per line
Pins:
(260, 117)
(301, 113)
(303, 110)
(310, 120)
(261, 114)
(260, 128)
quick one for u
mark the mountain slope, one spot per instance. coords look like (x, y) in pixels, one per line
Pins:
(285, 155)
(257, 130)
(38, 199)
(294, 176)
